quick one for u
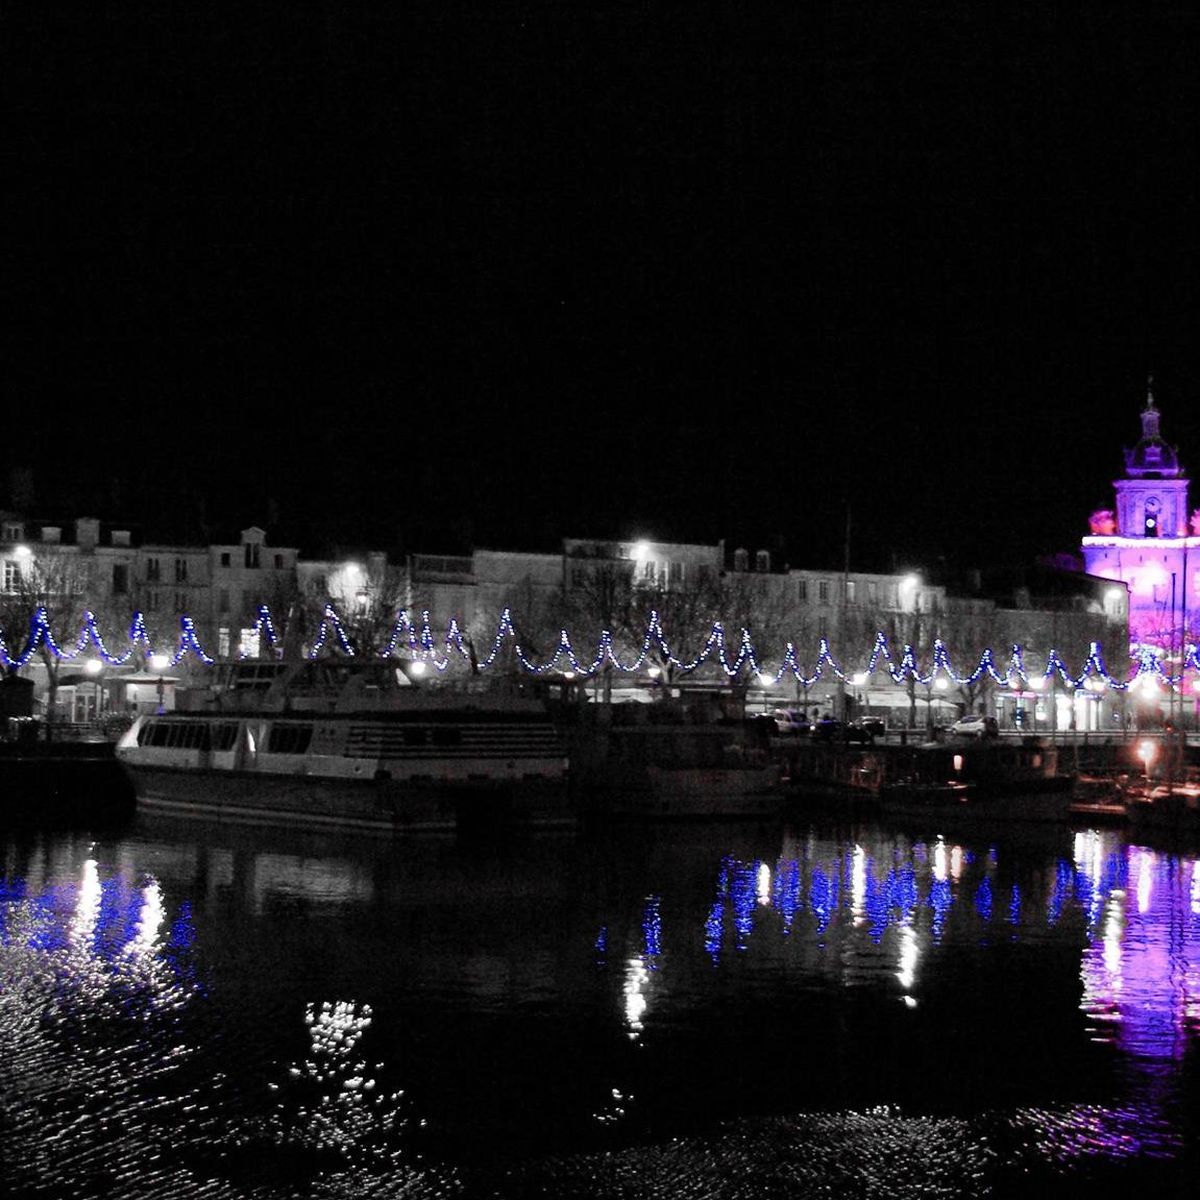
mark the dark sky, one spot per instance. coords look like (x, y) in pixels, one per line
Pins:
(432, 272)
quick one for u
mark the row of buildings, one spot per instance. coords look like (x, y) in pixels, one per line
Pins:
(1130, 590)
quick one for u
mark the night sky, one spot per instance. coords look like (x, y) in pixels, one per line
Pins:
(429, 274)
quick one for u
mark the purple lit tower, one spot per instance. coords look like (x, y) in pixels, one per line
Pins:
(1147, 541)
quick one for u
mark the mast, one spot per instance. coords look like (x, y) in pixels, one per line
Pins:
(841, 617)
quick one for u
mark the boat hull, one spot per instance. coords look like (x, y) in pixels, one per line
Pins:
(967, 802)
(1017, 782)
(379, 806)
(49, 782)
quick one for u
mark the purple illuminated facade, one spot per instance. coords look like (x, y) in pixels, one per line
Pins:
(1151, 542)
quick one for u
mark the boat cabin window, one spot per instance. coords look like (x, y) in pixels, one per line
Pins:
(188, 735)
(256, 677)
(289, 739)
(223, 735)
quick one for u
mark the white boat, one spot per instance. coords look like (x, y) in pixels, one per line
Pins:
(344, 744)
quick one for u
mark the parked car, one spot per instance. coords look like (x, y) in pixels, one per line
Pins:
(874, 726)
(975, 725)
(790, 720)
(829, 729)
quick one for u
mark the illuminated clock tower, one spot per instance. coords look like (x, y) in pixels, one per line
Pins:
(1150, 541)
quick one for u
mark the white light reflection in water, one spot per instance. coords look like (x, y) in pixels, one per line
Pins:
(1089, 854)
(636, 979)
(956, 863)
(87, 906)
(858, 885)
(939, 861)
(764, 884)
(1114, 928)
(150, 922)
(332, 1101)
(1143, 865)
(909, 954)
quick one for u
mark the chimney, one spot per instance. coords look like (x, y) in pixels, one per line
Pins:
(87, 532)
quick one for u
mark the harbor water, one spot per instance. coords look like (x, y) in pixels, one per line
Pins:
(692, 1009)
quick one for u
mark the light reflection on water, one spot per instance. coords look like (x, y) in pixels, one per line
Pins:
(197, 1010)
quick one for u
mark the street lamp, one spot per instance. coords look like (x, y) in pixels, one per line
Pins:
(93, 667)
(1146, 754)
(859, 679)
(159, 663)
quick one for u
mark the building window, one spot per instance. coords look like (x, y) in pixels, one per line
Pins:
(822, 591)
(12, 575)
(677, 572)
(223, 642)
(223, 599)
(120, 579)
(851, 591)
(279, 562)
(802, 590)
(152, 599)
(12, 532)
(649, 570)
(226, 559)
(181, 570)
(252, 551)
(181, 602)
(894, 596)
(873, 594)
(248, 642)
(153, 570)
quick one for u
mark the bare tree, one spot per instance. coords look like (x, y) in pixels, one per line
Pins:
(366, 602)
(598, 595)
(60, 583)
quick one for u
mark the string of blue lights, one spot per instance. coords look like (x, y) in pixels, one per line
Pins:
(419, 641)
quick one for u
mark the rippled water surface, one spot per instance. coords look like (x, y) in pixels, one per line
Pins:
(708, 1010)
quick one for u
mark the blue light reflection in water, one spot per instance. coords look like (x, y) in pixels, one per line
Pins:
(236, 998)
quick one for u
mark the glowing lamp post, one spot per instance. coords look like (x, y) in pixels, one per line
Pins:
(1146, 753)
(159, 663)
(764, 682)
(860, 681)
(92, 668)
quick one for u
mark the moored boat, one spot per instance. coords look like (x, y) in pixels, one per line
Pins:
(349, 745)
(1005, 780)
(1170, 806)
(664, 763)
(46, 782)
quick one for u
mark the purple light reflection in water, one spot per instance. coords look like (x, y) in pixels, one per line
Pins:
(1141, 971)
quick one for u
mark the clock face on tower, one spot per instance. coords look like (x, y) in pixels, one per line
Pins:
(1151, 511)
